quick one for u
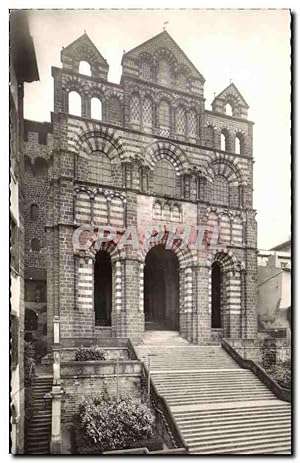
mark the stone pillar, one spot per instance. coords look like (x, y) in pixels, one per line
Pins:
(186, 303)
(118, 306)
(203, 305)
(234, 303)
(56, 441)
(56, 393)
(134, 316)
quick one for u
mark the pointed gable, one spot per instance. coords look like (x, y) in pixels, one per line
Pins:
(83, 49)
(162, 47)
(232, 96)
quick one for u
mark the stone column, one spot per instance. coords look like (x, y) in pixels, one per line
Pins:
(234, 303)
(56, 440)
(203, 305)
(118, 306)
(56, 393)
(134, 315)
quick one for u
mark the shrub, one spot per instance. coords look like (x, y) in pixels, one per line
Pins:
(89, 353)
(281, 373)
(111, 424)
(40, 348)
(29, 362)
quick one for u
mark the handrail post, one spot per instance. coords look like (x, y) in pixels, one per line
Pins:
(56, 393)
(149, 377)
(117, 378)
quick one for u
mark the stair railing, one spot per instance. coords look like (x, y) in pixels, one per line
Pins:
(160, 405)
(280, 392)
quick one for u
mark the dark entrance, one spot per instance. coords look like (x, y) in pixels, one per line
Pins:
(102, 289)
(161, 289)
(216, 288)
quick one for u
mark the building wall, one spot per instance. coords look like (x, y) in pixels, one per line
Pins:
(23, 68)
(134, 143)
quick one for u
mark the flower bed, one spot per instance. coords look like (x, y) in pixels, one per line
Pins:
(104, 423)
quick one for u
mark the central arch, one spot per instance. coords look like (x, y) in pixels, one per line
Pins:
(161, 289)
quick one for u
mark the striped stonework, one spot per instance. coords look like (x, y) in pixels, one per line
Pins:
(83, 207)
(230, 293)
(188, 290)
(106, 173)
(100, 210)
(141, 287)
(118, 286)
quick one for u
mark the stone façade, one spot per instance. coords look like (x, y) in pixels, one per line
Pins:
(135, 135)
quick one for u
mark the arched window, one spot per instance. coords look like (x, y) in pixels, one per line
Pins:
(85, 68)
(34, 212)
(147, 112)
(175, 214)
(180, 121)
(192, 123)
(163, 76)
(157, 211)
(35, 244)
(164, 178)
(220, 190)
(216, 290)
(228, 109)
(102, 288)
(164, 117)
(239, 144)
(181, 82)
(135, 109)
(31, 320)
(166, 212)
(100, 168)
(96, 109)
(40, 168)
(224, 140)
(74, 103)
(145, 71)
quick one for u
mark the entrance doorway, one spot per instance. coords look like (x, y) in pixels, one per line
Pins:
(103, 289)
(216, 291)
(161, 289)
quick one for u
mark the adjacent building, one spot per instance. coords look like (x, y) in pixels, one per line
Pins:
(274, 290)
(23, 68)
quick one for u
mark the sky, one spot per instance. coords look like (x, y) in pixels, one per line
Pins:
(249, 47)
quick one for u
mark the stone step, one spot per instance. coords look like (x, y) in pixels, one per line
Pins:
(232, 418)
(245, 409)
(208, 434)
(239, 441)
(240, 448)
(176, 392)
(195, 386)
(218, 406)
(177, 402)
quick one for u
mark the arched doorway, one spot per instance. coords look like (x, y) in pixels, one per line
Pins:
(216, 296)
(161, 289)
(103, 289)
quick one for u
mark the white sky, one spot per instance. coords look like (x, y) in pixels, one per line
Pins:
(251, 47)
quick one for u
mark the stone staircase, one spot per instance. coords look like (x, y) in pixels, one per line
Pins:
(219, 407)
(39, 428)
